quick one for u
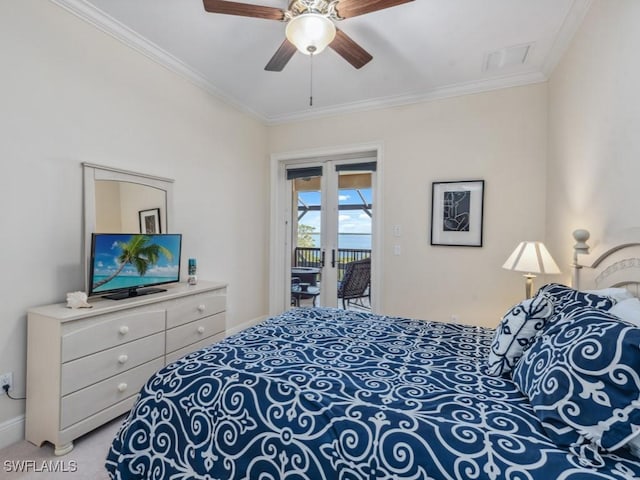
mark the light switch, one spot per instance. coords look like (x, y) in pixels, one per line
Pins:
(397, 230)
(397, 250)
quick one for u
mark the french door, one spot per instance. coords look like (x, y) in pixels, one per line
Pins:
(329, 234)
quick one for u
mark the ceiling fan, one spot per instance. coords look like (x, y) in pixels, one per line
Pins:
(310, 26)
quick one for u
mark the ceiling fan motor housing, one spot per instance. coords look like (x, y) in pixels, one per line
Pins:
(322, 7)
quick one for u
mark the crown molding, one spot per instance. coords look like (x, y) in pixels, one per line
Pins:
(572, 22)
(122, 33)
(449, 91)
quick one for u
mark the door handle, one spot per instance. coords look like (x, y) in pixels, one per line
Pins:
(333, 258)
(322, 259)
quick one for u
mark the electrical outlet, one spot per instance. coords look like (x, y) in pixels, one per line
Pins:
(6, 379)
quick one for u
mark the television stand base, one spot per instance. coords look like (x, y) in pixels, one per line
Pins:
(134, 292)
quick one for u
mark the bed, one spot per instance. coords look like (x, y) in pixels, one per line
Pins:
(325, 393)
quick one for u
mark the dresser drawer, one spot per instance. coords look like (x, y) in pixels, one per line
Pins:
(195, 307)
(193, 332)
(91, 369)
(90, 400)
(173, 356)
(109, 331)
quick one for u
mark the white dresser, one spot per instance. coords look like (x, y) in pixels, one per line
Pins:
(86, 366)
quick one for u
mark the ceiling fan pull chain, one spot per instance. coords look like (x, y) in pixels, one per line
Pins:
(311, 79)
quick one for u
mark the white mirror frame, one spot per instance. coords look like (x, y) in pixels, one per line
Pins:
(94, 172)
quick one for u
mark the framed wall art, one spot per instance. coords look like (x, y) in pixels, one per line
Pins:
(150, 221)
(456, 213)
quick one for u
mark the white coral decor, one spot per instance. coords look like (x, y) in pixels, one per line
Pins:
(77, 300)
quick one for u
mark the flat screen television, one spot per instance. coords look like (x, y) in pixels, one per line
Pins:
(127, 265)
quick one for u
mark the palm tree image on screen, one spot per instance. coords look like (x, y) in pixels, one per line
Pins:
(139, 253)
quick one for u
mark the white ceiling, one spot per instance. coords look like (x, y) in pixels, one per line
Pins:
(421, 50)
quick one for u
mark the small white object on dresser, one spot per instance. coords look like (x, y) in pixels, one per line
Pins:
(86, 366)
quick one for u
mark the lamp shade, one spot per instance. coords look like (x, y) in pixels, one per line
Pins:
(310, 32)
(531, 257)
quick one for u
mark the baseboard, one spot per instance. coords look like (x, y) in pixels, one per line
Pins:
(11, 431)
(247, 324)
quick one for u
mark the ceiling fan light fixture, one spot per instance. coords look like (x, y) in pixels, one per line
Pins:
(310, 32)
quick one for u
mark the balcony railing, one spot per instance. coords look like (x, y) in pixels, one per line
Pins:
(312, 257)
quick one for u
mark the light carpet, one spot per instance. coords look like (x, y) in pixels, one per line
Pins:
(23, 460)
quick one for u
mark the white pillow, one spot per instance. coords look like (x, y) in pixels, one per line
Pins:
(618, 294)
(634, 446)
(627, 310)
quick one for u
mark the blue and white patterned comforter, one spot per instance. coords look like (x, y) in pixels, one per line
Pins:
(328, 394)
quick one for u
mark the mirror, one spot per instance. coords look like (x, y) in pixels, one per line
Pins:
(121, 207)
(120, 201)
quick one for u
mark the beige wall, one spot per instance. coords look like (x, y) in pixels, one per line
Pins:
(594, 125)
(71, 94)
(496, 136)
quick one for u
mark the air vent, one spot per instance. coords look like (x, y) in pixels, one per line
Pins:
(507, 57)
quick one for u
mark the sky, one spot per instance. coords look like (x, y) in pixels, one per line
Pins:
(350, 221)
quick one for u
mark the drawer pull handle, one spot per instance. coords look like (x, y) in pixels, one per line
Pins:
(122, 359)
(122, 387)
(202, 307)
(124, 330)
(200, 330)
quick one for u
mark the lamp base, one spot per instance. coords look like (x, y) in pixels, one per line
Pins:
(529, 284)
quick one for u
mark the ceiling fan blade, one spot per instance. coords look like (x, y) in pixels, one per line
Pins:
(243, 9)
(353, 8)
(350, 50)
(281, 57)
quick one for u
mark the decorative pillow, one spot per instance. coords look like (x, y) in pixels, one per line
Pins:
(566, 299)
(515, 333)
(627, 310)
(582, 378)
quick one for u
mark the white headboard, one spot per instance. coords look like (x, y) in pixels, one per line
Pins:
(615, 264)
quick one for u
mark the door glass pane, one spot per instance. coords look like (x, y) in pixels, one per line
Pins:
(306, 242)
(355, 204)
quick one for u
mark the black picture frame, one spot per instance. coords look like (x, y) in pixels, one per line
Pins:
(150, 221)
(457, 211)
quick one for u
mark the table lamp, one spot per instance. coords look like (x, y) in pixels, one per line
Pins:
(532, 258)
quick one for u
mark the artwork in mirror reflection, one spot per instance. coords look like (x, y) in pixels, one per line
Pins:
(128, 261)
